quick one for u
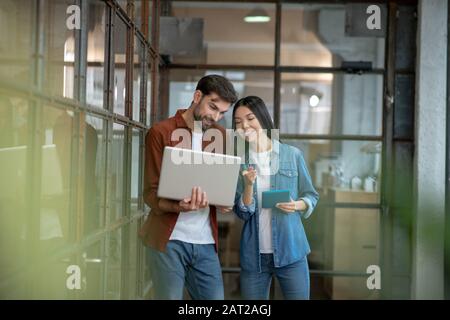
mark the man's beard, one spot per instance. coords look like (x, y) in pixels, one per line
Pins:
(207, 122)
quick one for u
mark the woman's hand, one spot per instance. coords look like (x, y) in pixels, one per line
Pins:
(292, 206)
(249, 176)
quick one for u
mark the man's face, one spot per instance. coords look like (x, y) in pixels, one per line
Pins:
(209, 109)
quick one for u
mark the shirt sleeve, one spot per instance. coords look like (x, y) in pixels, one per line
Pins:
(307, 192)
(246, 208)
(152, 167)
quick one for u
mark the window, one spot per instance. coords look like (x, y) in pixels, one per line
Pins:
(206, 33)
(325, 103)
(95, 74)
(120, 42)
(315, 35)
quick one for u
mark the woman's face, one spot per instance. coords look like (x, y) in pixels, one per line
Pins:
(247, 125)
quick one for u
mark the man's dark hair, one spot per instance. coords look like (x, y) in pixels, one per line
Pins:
(219, 85)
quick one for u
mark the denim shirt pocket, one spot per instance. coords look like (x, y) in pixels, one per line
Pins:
(288, 178)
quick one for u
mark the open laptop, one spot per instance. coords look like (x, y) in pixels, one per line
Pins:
(183, 169)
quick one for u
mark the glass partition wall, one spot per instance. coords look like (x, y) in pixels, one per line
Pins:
(75, 103)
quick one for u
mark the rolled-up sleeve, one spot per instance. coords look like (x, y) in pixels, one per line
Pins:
(246, 208)
(243, 211)
(307, 192)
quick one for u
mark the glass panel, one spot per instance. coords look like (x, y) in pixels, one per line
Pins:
(93, 269)
(341, 288)
(50, 280)
(135, 170)
(123, 4)
(133, 259)
(138, 7)
(232, 286)
(114, 265)
(55, 223)
(120, 43)
(14, 179)
(60, 54)
(95, 170)
(56, 178)
(145, 263)
(331, 103)
(16, 33)
(216, 33)
(349, 170)
(137, 78)
(95, 54)
(138, 11)
(149, 94)
(343, 239)
(315, 35)
(229, 242)
(246, 83)
(116, 187)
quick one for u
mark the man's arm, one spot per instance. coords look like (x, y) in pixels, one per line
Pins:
(154, 148)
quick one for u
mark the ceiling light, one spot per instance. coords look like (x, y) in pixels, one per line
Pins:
(314, 100)
(257, 15)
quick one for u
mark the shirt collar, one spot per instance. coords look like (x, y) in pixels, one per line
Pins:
(276, 146)
(181, 123)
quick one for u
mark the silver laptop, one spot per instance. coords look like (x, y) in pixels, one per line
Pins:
(183, 169)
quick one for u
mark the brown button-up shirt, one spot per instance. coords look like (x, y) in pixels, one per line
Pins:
(159, 225)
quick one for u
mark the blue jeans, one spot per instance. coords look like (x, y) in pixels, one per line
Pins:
(293, 279)
(196, 265)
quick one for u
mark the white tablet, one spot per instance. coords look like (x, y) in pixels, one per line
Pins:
(183, 169)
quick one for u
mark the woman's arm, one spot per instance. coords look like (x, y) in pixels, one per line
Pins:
(244, 202)
(307, 193)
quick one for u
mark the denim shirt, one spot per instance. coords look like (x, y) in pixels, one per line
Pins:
(288, 235)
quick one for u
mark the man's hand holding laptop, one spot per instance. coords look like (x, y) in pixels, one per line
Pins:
(197, 200)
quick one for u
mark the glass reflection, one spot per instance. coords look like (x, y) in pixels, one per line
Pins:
(216, 33)
(149, 96)
(116, 187)
(315, 35)
(114, 265)
(16, 45)
(331, 104)
(93, 268)
(120, 33)
(137, 78)
(56, 177)
(14, 135)
(95, 169)
(60, 55)
(135, 169)
(95, 54)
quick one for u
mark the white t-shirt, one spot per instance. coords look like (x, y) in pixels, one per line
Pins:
(194, 226)
(261, 161)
